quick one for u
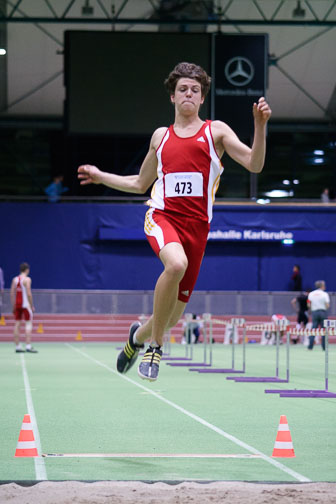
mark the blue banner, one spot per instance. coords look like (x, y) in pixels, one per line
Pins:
(103, 246)
(271, 235)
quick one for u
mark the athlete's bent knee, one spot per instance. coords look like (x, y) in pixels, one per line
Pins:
(177, 267)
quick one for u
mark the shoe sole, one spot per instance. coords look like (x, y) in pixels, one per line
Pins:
(146, 377)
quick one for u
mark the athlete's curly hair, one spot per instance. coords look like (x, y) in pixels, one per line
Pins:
(190, 71)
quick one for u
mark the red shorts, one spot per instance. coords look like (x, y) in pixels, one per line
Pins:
(23, 313)
(162, 228)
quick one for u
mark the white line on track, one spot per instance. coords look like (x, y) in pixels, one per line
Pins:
(151, 455)
(200, 420)
(40, 468)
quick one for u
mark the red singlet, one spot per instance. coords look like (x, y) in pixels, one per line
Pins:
(22, 308)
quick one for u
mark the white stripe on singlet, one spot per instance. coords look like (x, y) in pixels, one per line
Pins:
(216, 169)
(153, 229)
(157, 194)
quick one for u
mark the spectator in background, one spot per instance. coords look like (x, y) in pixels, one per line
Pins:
(191, 330)
(2, 287)
(300, 305)
(325, 197)
(231, 334)
(269, 337)
(318, 302)
(296, 279)
(56, 189)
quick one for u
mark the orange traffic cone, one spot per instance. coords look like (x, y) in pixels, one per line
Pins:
(283, 446)
(79, 336)
(40, 329)
(26, 446)
(2, 320)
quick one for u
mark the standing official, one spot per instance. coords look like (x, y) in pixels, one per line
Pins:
(318, 302)
(22, 302)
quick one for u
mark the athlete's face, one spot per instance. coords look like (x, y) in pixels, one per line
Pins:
(188, 95)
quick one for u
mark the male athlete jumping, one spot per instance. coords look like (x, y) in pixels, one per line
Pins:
(184, 160)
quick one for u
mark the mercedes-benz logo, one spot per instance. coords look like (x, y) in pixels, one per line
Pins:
(239, 71)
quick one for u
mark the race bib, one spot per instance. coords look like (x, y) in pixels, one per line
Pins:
(183, 184)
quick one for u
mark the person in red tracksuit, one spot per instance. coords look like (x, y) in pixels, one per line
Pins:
(22, 302)
(184, 162)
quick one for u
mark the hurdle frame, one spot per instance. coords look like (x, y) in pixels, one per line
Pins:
(328, 326)
(235, 322)
(206, 335)
(280, 324)
(188, 347)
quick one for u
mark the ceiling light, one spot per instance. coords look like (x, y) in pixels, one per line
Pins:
(278, 193)
(319, 152)
(286, 182)
(298, 12)
(2, 52)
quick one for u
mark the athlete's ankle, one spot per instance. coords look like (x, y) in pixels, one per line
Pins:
(155, 344)
(136, 340)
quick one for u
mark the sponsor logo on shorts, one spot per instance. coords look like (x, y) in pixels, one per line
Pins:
(185, 293)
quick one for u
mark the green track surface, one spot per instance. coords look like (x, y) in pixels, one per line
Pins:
(82, 405)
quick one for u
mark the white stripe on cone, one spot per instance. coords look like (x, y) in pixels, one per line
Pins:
(25, 445)
(26, 426)
(283, 427)
(283, 445)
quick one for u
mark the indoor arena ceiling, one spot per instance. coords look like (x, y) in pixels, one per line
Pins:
(302, 41)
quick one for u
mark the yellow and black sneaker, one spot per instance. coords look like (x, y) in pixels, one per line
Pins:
(149, 366)
(130, 352)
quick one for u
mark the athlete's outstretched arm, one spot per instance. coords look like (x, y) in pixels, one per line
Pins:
(89, 174)
(29, 293)
(13, 293)
(251, 158)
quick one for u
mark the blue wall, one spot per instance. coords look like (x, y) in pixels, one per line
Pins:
(102, 246)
